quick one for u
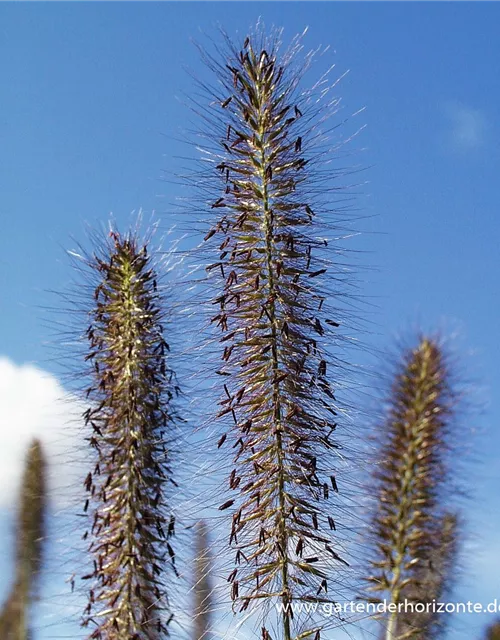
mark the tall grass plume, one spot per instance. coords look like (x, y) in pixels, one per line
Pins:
(129, 420)
(271, 246)
(414, 539)
(30, 534)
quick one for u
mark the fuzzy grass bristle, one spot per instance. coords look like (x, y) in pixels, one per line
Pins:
(408, 483)
(14, 618)
(493, 631)
(129, 418)
(202, 588)
(32, 516)
(271, 269)
(432, 582)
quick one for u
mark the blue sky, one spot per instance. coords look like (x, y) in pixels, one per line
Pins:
(89, 106)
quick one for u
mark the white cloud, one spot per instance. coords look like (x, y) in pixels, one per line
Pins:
(467, 126)
(34, 404)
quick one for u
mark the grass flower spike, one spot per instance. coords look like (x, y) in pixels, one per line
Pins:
(432, 581)
(409, 479)
(203, 587)
(277, 321)
(493, 631)
(129, 418)
(14, 618)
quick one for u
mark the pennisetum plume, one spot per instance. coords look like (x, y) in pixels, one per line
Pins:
(130, 420)
(434, 577)
(408, 485)
(277, 296)
(493, 631)
(202, 587)
(14, 618)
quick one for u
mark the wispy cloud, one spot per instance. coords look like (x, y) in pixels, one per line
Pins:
(467, 126)
(34, 404)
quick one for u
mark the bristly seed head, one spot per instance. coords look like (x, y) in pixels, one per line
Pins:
(128, 420)
(410, 475)
(277, 397)
(15, 614)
